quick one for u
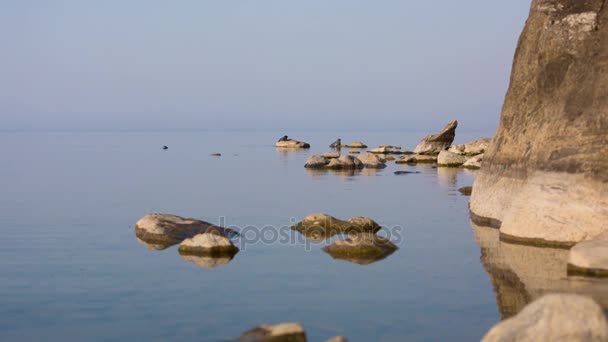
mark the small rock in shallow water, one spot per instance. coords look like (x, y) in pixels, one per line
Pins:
(285, 332)
(316, 162)
(449, 159)
(555, 317)
(208, 244)
(318, 226)
(361, 248)
(466, 190)
(356, 144)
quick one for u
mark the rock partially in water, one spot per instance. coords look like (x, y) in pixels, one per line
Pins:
(318, 226)
(208, 244)
(589, 258)
(555, 317)
(472, 148)
(285, 332)
(316, 162)
(354, 152)
(390, 158)
(336, 144)
(473, 163)
(372, 161)
(292, 144)
(207, 261)
(449, 159)
(355, 144)
(331, 155)
(433, 144)
(361, 248)
(167, 230)
(545, 173)
(345, 162)
(337, 339)
(466, 190)
(417, 159)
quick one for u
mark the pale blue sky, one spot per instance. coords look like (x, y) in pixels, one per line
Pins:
(255, 64)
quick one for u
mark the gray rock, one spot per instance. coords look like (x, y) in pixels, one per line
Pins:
(471, 148)
(449, 159)
(556, 317)
(166, 230)
(474, 162)
(285, 332)
(545, 174)
(316, 162)
(371, 161)
(361, 248)
(291, 144)
(589, 258)
(208, 244)
(433, 144)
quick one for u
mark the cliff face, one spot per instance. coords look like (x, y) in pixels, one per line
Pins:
(544, 178)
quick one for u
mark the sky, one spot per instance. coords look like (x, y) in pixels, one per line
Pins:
(255, 64)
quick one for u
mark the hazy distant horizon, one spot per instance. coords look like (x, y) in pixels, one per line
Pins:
(344, 65)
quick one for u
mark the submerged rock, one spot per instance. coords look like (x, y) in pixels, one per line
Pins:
(372, 161)
(589, 258)
(433, 144)
(555, 317)
(472, 148)
(167, 230)
(318, 226)
(361, 248)
(545, 173)
(449, 159)
(417, 159)
(291, 144)
(474, 162)
(208, 244)
(285, 332)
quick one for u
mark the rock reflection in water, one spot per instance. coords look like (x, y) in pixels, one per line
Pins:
(207, 261)
(521, 274)
(155, 246)
(361, 249)
(343, 173)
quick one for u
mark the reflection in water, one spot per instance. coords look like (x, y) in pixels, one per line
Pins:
(155, 246)
(448, 176)
(207, 261)
(521, 274)
(343, 173)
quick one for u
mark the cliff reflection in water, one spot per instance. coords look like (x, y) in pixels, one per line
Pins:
(521, 274)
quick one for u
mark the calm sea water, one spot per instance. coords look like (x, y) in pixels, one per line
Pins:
(72, 268)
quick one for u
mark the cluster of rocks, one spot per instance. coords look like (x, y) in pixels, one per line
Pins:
(362, 246)
(283, 332)
(335, 161)
(200, 242)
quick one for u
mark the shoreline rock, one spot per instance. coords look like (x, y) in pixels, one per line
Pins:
(589, 258)
(474, 163)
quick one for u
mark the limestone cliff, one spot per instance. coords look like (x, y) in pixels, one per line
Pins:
(544, 178)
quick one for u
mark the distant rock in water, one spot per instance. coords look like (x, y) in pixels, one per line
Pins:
(336, 144)
(417, 159)
(449, 159)
(361, 248)
(165, 230)
(372, 161)
(555, 317)
(321, 226)
(355, 144)
(216, 154)
(208, 244)
(285, 332)
(289, 143)
(472, 148)
(433, 144)
(165, 148)
(406, 172)
(331, 155)
(545, 174)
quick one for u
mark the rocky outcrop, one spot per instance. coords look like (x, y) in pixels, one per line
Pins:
(165, 230)
(473, 163)
(433, 144)
(208, 244)
(321, 226)
(372, 161)
(472, 148)
(285, 332)
(545, 174)
(556, 317)
(449, 159)
(290, 143)
(361, 248)
(589, 258)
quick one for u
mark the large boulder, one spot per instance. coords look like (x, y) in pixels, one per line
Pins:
(556, 317)
(290, 143)
(285, 332)
(316, 162)
(449, 159)
(361, 248)
(545, 174)
(208, 244)
(433, 144)
(345, 162)
(589, 258)
(165, 230)
(472, 148)
(322, 226)
(372, 161)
